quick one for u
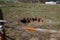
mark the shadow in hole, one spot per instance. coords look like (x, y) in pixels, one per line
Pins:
(28, 20)
(23, 20)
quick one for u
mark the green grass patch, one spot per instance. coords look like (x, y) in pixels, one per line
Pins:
(21, 10)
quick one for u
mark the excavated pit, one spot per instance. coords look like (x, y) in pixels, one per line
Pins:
(28, 20)
(32, 21)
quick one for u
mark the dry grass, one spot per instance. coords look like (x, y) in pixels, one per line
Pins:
(15, 11)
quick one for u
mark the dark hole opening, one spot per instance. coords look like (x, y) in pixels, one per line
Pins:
(28, 20)
(25, 20)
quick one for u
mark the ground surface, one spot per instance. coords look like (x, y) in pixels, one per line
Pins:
(13, 12)
(18, 11)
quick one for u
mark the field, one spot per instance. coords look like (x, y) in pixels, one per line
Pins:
(16, 11)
